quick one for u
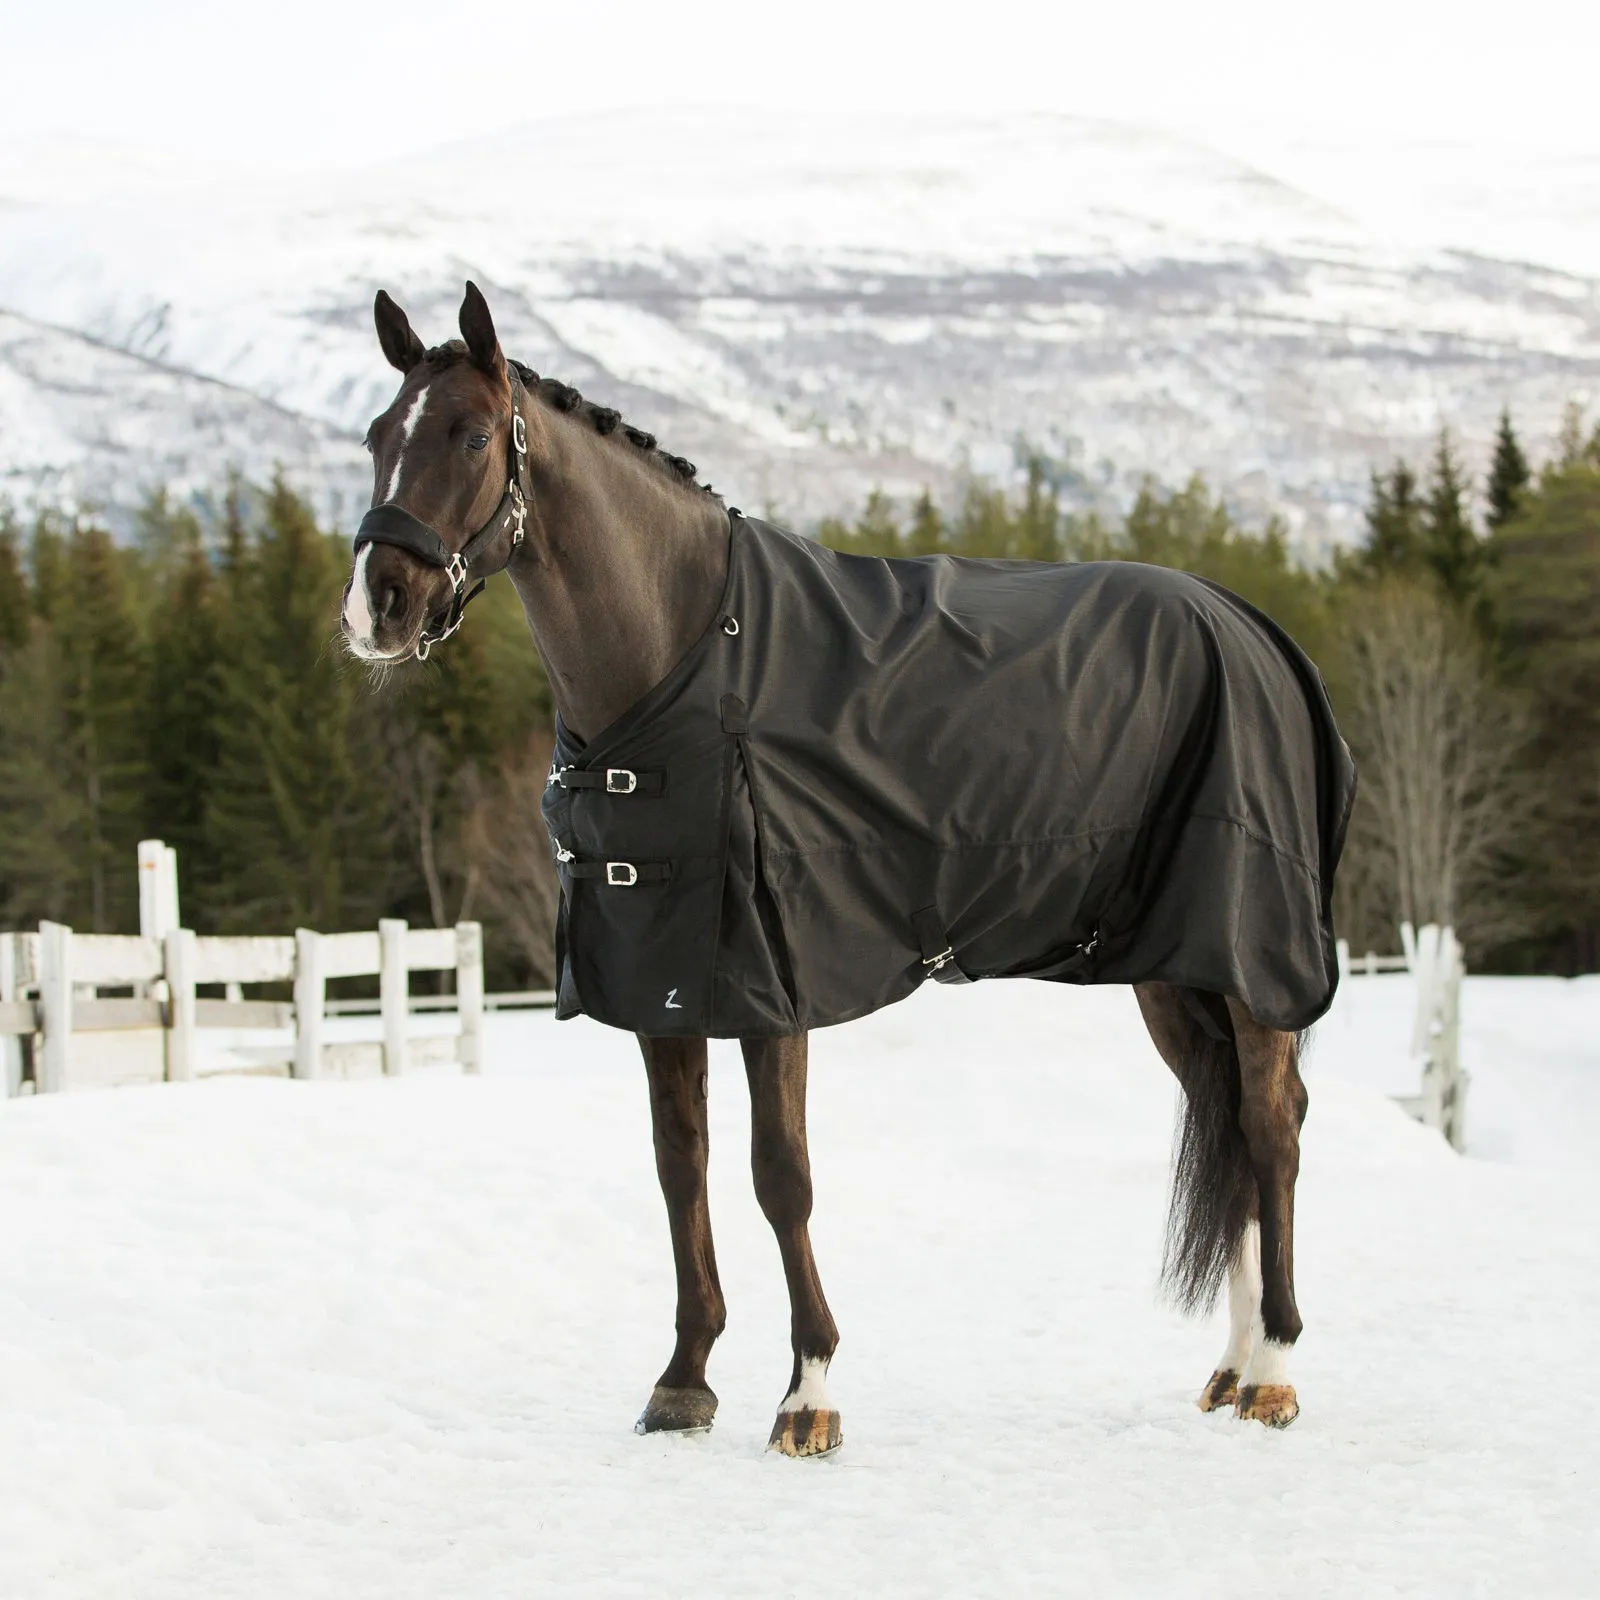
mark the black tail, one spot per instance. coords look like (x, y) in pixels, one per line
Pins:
(1213, 1183)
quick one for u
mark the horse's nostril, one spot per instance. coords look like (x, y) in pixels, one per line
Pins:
(394, 601)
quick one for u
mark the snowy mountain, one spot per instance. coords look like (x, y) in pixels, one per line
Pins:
(810, 309)
(83, 423)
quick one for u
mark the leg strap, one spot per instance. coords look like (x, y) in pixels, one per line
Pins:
(938, 957)
(1199, 1005)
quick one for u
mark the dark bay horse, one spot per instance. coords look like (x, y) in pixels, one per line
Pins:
(620, 559)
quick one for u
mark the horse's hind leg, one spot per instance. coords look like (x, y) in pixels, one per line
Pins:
(682, 1400)
(807, 1423)
(1272, 1107)
(1244, 1314)
(1238, 1156)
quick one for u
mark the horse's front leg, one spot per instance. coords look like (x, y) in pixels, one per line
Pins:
(807, 1424)
(682, 1399)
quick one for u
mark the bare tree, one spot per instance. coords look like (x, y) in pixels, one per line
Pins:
(1442, 803)
(507, 854)
(430, 799)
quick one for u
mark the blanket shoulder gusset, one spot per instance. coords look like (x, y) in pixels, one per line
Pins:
(1105, 773)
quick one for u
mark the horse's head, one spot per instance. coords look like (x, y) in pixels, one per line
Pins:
(446, 482)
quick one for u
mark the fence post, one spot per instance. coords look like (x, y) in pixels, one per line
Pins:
(1423, 951)
(158, 888)
(10, 1043)
(181, 1041)
(1447, 1042)
(55, 1006)
(310, 991)
(393, 982)
(469, 994)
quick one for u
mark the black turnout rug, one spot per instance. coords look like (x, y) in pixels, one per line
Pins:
(869, 772)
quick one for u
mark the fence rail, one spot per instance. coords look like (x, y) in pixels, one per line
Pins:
(54, 1019)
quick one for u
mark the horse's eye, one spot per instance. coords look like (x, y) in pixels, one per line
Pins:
(478, 441)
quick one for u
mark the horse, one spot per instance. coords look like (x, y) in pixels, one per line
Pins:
(621, 558)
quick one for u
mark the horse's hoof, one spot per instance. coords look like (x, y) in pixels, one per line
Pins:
(677, 1411)
(1222, 1390)
(1271, 1403)
(806, 1433)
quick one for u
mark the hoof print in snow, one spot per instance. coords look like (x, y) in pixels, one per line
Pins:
(1271, 1403)
(1222, 1390)
(677, 1411)
(806, 1433)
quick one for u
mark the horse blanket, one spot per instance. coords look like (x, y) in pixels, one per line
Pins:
(869, 772)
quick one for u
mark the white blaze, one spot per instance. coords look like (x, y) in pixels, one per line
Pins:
(358, 619)
(408, 426)
(357, 608)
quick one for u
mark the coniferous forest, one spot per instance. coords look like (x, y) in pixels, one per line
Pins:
(189, 685)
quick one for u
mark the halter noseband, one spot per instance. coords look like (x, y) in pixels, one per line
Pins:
(392, 524)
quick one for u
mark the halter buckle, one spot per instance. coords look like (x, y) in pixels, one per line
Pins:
(621, 874)
(456, 572)
(519, 433)
(620, 781)
(519, 513)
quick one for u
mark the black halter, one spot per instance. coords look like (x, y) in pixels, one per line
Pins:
(392, 524)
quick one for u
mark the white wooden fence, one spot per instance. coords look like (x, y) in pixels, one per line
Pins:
(50, 984)
(1433, 956)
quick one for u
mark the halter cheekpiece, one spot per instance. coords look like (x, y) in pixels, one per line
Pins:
(392, 524)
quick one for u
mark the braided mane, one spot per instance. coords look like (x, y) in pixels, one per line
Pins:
(563, 397)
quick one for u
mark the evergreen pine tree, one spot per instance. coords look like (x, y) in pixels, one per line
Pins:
(47, 562)
(16, 604)
(1546, 592)
(926, 536)
(877, 532)
(1509, 475)
(1450, 543)
(1039, 517)
(41, 798)
(96, 631)
(1570, 441)
(183, 696)
(297, 819)
(984, 525)
(1394, 523)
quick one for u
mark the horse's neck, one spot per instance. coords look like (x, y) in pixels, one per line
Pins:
(621, 572)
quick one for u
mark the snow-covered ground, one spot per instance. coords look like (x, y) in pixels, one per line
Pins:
(388, 1338)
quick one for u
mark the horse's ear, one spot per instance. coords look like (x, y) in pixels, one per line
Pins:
(402, 347)
(477, 328)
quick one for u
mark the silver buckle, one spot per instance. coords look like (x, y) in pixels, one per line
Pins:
(620, 781)
(518, 513)
(519, 433)
(621, 874)
(933, 963)
(456, 572)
